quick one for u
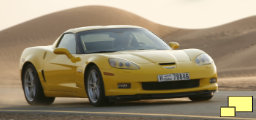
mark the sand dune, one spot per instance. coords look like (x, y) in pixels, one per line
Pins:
(232, 46)
(44, 31)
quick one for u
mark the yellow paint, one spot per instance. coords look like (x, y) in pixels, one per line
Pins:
(242, 103)
(63, 80)
(227, 111)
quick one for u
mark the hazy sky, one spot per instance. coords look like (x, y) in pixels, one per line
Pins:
(177, 13)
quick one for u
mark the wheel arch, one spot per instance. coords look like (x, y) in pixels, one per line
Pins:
(103, 99)
(23, 69)
(87, 68)
(86, 71)
(34, 56)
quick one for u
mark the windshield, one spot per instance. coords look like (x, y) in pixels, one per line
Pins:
(120, 39)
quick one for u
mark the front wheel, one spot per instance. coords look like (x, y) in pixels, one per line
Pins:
(95, 87)
(32, 87)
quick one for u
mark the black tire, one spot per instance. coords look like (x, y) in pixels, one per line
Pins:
(38, 97)
(202, 97)
(101, 99)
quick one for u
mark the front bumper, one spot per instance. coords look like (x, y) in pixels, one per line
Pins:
(160, 96)
(149, 73)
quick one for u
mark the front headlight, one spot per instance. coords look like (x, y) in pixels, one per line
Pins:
(203, 59)
(122, 64)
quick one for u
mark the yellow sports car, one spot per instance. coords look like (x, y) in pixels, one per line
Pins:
(117, 62)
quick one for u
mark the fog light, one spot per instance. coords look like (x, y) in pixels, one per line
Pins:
(124, 85)
(213, 80)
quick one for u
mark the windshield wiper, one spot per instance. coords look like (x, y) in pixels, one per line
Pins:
(103, 51)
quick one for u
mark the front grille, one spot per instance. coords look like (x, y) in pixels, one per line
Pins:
(170, 85)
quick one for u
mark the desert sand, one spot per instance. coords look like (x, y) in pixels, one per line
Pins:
(232, 45)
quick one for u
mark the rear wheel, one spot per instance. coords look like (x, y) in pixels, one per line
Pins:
(32, 87)
(95, 87)
(202, 97)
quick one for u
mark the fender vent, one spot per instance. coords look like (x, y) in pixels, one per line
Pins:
(170, 63)
(43, 75)
(45, 53)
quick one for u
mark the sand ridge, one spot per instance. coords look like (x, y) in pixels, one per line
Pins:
(232, 46)
(45, 30)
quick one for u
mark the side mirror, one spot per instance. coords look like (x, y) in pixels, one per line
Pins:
(61, 51)
(174, 45)
(67, 53)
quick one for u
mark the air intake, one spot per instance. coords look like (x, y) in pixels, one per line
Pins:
(182, 84)
(170, 63)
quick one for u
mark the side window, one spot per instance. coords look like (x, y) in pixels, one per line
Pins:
(68, 41)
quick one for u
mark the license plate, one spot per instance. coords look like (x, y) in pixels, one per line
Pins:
(173, 77)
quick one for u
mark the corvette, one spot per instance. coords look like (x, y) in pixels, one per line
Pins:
(116, 62)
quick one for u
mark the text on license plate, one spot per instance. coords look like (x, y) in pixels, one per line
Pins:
(173, 77)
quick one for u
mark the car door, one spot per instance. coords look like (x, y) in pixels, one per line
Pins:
(59, 70)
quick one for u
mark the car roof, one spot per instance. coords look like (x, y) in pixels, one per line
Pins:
(79, 29)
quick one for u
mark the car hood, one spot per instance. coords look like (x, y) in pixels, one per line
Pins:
(156, 56)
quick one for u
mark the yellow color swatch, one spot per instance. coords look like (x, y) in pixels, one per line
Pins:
(242, 103)
(227, 111)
